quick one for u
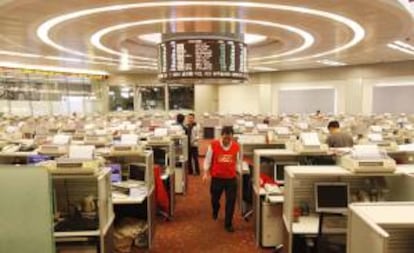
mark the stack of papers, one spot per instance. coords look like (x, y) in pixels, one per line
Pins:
(310, 139)
(367, 152)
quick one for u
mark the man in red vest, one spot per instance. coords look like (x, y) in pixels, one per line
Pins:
(221, 160)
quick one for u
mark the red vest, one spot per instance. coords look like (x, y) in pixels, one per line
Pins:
(224, 161)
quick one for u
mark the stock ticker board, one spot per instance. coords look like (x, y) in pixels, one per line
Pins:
(202, 59)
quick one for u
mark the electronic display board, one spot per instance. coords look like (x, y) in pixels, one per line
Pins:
(202, 59)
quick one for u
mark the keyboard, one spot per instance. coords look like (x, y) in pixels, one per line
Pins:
(78, 224)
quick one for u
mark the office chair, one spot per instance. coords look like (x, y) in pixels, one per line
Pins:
(329, 243)
(160, 156)
(247, 195)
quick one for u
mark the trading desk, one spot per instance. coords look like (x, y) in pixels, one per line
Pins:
(381, 227)
(16, 157)
(281, 157)
(299, 188)
(168, 162)
(142, 207)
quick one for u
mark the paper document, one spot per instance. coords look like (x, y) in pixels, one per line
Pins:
(131, 139)
(262, 127)
(377, 129)
(282, 130)
(406, 147)
(81, 151)
(375, 137)
(310, 139)
(61, 139)
(367, 152)
(160, 132)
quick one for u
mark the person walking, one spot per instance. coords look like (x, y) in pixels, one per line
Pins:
(220, 163)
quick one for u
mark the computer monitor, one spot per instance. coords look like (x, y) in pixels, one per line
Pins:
(279, 172)
(137, 172)
(331, 197)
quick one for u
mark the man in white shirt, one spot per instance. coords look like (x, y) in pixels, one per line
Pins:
(193, 136)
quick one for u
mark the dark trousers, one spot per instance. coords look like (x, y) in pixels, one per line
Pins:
(229, 186)
(193, 166)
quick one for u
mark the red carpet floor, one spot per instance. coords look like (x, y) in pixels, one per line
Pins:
(193, 230)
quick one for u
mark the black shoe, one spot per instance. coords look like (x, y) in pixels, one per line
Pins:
(215, 215)
(229, 229)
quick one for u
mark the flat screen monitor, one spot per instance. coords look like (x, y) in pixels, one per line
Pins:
(137, 172)
(331, 197)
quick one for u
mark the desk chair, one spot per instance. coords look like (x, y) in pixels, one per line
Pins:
(160, 156)
(329, 243)
(247, 195)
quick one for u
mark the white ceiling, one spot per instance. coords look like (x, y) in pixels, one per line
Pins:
(300, 34)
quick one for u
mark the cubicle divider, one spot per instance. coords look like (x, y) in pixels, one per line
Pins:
(300, 191)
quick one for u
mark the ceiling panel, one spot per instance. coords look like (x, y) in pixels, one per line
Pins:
(383, 22)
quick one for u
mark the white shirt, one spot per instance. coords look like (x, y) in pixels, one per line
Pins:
(194, 135)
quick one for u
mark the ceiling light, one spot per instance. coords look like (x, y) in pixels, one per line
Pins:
(404, 45)
(11, 53)
(331, 63)
(153, 38)
(124, 61)
(261, 68)
(52, 68)
(401, 49)
(359, 33)
(408, 5)
(78, 60)
(250, 38)
(308, 39)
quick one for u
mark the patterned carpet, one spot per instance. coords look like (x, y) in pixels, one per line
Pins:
(193, 229)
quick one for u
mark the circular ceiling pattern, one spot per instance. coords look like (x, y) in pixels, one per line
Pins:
(295, 34)
(358, 32)
(308, 39)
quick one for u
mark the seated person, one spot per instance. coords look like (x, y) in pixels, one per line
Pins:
(336, 138)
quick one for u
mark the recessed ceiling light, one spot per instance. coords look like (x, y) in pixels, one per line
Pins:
(331, 63)
(307, 38)
(53, 68)
(359, 32)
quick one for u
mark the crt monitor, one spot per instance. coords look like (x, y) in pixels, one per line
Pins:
(137, 172)
(331, 197)
(279, 172)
